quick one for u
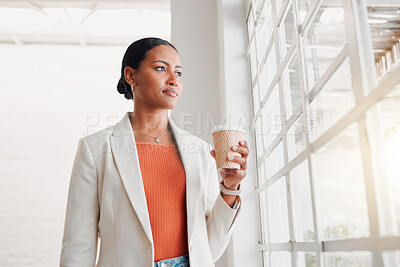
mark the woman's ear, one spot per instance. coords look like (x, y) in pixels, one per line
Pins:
(129, 76)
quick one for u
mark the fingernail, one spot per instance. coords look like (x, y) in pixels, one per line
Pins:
(243, 142)
(230, 157)
(234, 148)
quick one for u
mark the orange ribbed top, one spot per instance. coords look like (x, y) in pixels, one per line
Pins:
(164, 183)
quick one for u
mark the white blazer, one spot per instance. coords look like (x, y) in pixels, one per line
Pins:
(106, 196)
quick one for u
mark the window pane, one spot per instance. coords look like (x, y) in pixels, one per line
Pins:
(384, 132)
(269, 19)
(286, 32)
(303, 8)
(258, 4)
(264, 217)
(259, 136)
(264, 29)
(262, 174)
(271, 118)
(301, 203)
(266, 258)
(268, 72)
(306, 259)
(324, 39)
(278, 212)
(256, 98)
(338, 175)
(275, 160)
(278, 6)
(352, 259)
(253, 62)
(281, 259)
(391, 147)
(391, 258)
(250, 24)
(291, 87)
(332, 102)
(296, 138)
(262, 38)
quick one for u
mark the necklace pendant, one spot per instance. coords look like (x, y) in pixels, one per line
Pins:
(157, 140)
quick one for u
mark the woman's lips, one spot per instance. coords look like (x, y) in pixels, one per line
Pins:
(170, 92)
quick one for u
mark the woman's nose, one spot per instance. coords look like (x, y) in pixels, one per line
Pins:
(172, 79)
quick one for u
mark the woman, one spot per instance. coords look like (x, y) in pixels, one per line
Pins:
(147, 187)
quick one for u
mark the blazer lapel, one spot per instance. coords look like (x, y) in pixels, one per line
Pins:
(123, 147)
(188, 151)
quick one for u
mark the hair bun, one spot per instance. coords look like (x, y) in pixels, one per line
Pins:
(124, 88)
(121, 86)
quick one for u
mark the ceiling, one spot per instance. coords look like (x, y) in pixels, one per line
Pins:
(384, 22)
(84, 23)
(103, 4)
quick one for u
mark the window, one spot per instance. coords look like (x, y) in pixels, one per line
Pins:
(326, 117)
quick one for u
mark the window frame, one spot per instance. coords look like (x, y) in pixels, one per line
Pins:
(367, 89)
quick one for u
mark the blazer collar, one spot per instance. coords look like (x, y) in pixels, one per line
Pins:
(123, 147)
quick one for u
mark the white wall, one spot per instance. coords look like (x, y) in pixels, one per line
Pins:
(48, 97)
(210, 36)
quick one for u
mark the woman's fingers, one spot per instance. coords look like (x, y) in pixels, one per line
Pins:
(230, 171)
(235, 176)
(240, 160)
(212, 152)
(242, 149)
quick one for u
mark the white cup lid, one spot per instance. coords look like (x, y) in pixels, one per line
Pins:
(225, 127)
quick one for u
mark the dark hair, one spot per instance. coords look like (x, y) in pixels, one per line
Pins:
(134, 55)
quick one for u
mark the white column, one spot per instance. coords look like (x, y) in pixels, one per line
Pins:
(211, 38)
(236, 95)
(194, 31)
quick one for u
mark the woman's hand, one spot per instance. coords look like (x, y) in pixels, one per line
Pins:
(232, 178)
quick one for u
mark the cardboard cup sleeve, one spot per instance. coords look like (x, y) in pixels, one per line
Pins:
(224, 139)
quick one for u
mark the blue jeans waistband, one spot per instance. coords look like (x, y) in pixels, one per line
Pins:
(182, 261)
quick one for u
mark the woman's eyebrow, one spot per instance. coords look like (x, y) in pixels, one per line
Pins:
(166, 63)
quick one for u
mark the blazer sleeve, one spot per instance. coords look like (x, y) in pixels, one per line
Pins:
(79, 243)
(220, 217)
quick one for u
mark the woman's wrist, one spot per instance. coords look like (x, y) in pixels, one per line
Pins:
(231, 186)
(229, 199)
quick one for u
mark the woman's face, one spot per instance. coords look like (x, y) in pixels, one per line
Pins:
(157, 83)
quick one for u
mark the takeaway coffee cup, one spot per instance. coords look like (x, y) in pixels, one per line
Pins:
(225, 136)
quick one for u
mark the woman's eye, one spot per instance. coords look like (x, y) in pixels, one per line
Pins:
(160, 68)
(179, 74)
